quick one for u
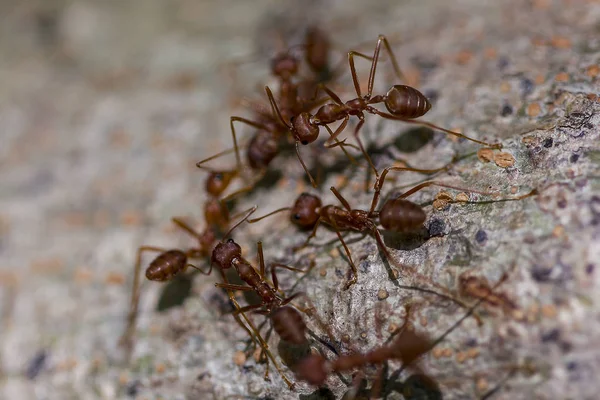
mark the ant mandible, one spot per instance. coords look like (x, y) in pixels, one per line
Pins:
(404, 103)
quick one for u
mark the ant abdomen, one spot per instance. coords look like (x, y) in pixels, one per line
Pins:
(305, 212)
(401, 215)
(289, 325)
(406, 101)
(166, 265)
(262, 149)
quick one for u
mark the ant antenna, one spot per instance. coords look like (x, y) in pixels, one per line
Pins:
(275, 108)
(250, 212)
(251, 221)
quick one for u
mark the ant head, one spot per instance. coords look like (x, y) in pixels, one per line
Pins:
(312, 369)
(399, 215)
(305, 131)
(406, 101)
(225, 252)
(218, 181)
(305, 211)
(284, 65)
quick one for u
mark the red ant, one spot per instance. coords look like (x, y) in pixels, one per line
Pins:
(172, 262)
(397, 215)
(264, 146)
(286, 320)
(404, 103)
(406, 347)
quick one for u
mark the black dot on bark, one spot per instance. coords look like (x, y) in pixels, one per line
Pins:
(481, 236)
(436, 228)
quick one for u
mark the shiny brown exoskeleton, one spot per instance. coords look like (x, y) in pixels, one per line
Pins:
(272, 127)
(396, 215)
(172, 262)
(406, 347)
(404, 103)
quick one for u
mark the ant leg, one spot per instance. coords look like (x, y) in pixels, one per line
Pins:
(127, 338)
(441, 184)
(233, 119)
(242, 190)
(312, 235)
(261, 259)
(432, 126)
(380, 181)
(274, 266)
(185, 226)
(445, 293)
(354, 278)
(231, 286)
(257, 335)
(310, 178)
(362, 148)
(222, 153)
(341, 198)
(339, 130)
(342, 144)
(199, 269)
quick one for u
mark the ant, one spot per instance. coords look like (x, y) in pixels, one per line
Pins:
(264, 146)
(172, 262)
(397, 215)
(286, 320)
(406, 346)
(404, 103)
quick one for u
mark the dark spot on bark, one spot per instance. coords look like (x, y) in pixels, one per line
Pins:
(132, 388)
(574, 157)
(541, 273)
(436, 227)
(551, 336)
(589, 269)
(503, 63)
(526, 87)
(506, 110)
(548, 143)
(481, 236)
(36, 365)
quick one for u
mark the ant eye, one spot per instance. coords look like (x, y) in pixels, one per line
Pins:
(304, 142)
(229, 240)
(297, 217)
(219, 176)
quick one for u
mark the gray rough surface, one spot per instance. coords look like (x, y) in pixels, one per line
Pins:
(106, 106)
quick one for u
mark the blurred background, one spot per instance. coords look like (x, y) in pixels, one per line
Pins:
(106, 106)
